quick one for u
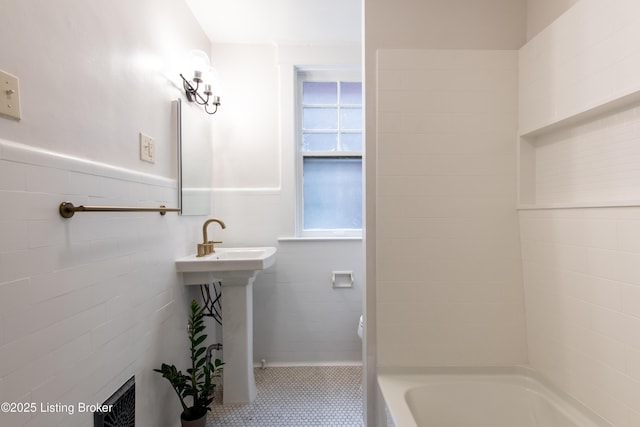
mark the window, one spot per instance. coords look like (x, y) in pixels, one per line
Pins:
(329, 154)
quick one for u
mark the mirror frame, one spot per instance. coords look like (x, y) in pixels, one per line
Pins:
(182, 127)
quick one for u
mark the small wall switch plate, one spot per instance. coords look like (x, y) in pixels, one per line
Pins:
(9, 96)
(147, 148)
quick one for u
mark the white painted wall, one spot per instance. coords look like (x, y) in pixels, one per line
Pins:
(541, 13)
(298, 317)
(87, 70)
(580, 265)
(87, 302)
(246, 135)
(445, 24)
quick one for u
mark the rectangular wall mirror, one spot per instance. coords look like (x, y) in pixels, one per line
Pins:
(195, 159)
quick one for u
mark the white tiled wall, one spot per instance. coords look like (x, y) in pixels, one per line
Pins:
(582, 302)
(581, 265)
(449, 288)
(86, 302)
(594, 161)
(579, 97)
(587, 57)
(300, 316)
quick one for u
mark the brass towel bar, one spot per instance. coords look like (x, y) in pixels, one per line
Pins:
(67, 209)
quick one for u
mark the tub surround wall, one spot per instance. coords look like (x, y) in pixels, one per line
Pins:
(87, 302)
(579, 86)
(585, 59)
(406, 24)
(582, 302)
(448, 267)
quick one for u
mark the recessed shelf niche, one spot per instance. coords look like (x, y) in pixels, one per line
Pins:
(591, 159)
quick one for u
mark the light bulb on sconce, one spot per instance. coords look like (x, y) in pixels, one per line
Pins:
(200, 64)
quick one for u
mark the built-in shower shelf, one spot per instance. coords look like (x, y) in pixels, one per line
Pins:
(590, 159)
(577, 205)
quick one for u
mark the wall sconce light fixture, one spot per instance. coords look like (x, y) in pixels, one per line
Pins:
(201, 63)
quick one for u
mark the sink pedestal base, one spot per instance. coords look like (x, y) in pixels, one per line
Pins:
(237, 342)
(236, 269)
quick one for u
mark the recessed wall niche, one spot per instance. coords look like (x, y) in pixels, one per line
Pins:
(591, 159)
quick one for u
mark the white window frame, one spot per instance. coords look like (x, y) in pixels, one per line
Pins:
(320, 75)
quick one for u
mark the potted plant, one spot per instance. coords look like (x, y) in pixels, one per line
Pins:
(197, 384)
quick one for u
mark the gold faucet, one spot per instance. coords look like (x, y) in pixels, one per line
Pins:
(206, 247)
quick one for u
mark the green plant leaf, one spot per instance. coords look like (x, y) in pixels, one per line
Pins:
(198, 341)
(197, 383)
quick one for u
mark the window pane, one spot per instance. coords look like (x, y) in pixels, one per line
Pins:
(351, 118)
(332, 193)
(320, 118)
(351, 93)
(319, 92)
(351, 141)
(319, 141)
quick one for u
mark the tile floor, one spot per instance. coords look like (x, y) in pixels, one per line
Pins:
(301, 396)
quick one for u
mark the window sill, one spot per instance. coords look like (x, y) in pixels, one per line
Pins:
(318, 238)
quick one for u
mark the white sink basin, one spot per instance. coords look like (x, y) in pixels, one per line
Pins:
(236, 269)
(229, 259)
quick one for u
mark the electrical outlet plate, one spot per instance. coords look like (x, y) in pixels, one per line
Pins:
(9, 96)
(147, 148)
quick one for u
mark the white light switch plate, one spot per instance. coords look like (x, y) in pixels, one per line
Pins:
(9, 95)
(147, 148)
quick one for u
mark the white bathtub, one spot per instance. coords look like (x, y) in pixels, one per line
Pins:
(509, 397)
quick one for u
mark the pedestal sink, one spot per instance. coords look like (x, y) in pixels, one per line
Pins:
(236, 268)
